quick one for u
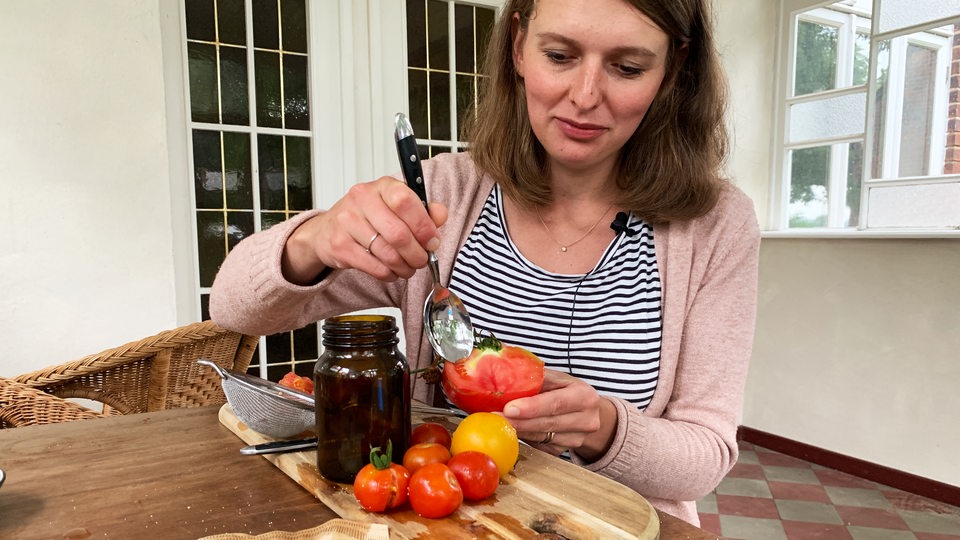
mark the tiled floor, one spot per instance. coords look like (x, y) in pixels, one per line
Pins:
(772, 496)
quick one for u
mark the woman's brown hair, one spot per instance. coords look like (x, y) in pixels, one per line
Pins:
(670, 169)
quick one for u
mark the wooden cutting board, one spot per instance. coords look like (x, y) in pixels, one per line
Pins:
(543, 494)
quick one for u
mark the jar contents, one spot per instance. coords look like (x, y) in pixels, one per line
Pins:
(361, 385)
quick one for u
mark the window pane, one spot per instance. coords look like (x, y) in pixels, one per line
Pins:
(239, 226)
(266, 24)
(816, 58)
(917, 111)
(232, 22)
(238, 178)
(930, 205)
(272, 193)
(417, 33)
(809, 180)
(895, 14)
(296, 109)
(298, 173)
(914, 131)
(293, 16)
(439, 36)
(439, 105)
(233, 85)
(832, 117)
(269, 113)
(200, 24)
(207, 173)
(861, 59)
(463, 17)
(212, 243)
(417, 85)
(854, 184)
(204, 106)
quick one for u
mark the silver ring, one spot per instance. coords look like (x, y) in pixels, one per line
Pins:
(548, 438)
(370, 243)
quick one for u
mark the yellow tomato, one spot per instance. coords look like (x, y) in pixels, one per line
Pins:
(491, 434)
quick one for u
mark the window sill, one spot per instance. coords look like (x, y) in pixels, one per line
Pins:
(919, 234)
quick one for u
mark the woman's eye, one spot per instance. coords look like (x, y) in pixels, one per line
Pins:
(629, 71)
(556, 56)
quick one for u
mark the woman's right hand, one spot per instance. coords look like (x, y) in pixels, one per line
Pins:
(378, 227)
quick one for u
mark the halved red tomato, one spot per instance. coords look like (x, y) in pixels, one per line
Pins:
(491, 376)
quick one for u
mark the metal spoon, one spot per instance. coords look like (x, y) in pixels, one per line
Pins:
(445, 319)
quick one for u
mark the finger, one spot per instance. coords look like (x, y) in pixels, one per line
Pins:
(401, 220)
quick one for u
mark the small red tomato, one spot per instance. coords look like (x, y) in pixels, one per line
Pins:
(491, 376)
(422, 454)
(434, 491)
(476, 473)
(381, 485)
(292, 380)
(430, 432)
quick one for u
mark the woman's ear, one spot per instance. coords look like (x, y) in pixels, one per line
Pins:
(518, 36)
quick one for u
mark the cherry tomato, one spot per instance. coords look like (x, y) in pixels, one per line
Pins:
(381, 485)
(422, 454)
(434, 491)
(430, 432)
(476, 473)
(491, 376)
(292, 380)
(491, 434)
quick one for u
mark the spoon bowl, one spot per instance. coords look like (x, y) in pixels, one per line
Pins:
(445, 319)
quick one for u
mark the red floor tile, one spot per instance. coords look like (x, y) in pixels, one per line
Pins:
(799, 530)
(710, 523)
(781, 460)
(869, 520)
(798, 492)
(872, 517)
(830, 477)
(746, 470)
(735, 505)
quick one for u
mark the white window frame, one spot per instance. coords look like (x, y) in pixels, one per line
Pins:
(871, 188)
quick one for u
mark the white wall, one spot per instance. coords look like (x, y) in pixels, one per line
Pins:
(85, 226)
(856, 342)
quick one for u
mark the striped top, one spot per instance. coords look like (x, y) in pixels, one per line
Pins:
(602, 327)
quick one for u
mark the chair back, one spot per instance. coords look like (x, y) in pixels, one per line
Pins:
(155, 373)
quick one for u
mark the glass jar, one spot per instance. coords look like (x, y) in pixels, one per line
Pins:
(362, 388)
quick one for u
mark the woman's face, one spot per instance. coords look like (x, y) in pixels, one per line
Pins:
(590, 70)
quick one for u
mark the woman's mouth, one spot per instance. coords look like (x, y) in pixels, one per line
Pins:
(579, 130)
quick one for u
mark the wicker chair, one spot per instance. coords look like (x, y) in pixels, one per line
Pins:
(155, 373)
(21, 405)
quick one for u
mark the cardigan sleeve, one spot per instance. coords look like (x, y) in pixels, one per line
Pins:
(251, 296)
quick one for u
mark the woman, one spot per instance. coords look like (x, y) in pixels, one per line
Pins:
(595, 113)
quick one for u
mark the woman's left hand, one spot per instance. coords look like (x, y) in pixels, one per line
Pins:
(566, 414)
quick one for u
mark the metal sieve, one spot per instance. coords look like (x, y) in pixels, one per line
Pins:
(265, 406)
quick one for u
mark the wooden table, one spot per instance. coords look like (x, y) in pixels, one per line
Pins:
(171, 474)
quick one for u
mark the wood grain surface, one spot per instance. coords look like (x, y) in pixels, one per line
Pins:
(172, 475)
(543, 495)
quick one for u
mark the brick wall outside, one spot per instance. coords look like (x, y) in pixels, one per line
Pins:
(952, 158)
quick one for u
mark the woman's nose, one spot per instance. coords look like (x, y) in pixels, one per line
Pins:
(586, 87)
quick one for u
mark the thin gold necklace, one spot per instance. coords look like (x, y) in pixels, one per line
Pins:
(563, 247)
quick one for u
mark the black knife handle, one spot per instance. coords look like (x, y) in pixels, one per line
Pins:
(280, 447)
(410, 165)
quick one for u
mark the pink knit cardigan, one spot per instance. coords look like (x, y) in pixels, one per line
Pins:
(675, 451)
